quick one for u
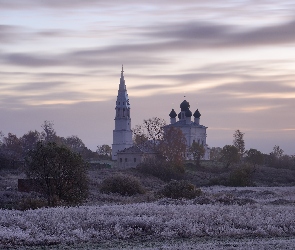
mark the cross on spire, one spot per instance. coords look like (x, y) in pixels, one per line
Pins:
(122, 70)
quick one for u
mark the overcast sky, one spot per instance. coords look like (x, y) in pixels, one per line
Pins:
(60, 60)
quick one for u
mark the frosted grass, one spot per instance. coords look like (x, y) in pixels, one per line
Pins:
(95, 224)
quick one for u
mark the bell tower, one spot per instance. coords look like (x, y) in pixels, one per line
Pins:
(122, 134)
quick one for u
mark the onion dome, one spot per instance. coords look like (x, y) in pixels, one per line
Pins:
(184, 105)
(188, 113)
(197, 114)
(179, 115)
(172, 113)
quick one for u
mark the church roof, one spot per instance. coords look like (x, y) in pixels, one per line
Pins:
(188, 113)
(172, 113)
(138, 149)
(184, 105)
(183, 123)
(197, 114)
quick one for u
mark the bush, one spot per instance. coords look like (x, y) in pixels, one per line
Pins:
(241, 176)
(160, 169)
(21, 201)
(122, 184)
(180, 189)
(31, 203)
(62, 173)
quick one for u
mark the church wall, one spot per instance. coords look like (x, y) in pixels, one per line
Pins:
(132, 160)
(128, 160)
(122, 124)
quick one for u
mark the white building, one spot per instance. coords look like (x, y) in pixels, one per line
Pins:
(192, 130)
(122, 134)
(131, 157)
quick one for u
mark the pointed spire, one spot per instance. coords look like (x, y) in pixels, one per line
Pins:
(122, 81)
(122, 71)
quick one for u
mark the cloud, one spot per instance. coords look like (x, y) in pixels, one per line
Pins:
(190, 36)
(21, 34)
(150, 86)
(30, 60)
(10, 33)
(197, 35)
(257, 87)
(39, 86)
(82, 58)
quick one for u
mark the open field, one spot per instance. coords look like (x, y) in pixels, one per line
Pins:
(221, 218)
(240, 218)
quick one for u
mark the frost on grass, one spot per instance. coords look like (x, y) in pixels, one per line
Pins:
(145, 220)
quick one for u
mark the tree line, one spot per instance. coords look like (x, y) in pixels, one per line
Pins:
(13, 149)
(236, 153)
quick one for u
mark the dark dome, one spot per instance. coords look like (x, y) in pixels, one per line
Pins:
(172, 113)
(184, 105)
(179, 115)
(197, 114)
(188, 113)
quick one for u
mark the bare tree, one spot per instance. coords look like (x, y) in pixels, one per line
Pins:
(239, 142)
(49, 133)
(105, 151)
(151, 130)
(277, 152)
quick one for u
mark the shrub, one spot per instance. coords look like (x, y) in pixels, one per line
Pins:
(122, 184)
(31, 203)
(241, 176)
(160, 169)
(180, 189)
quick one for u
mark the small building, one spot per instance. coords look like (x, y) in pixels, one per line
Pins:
(192, 130)
(132, 156)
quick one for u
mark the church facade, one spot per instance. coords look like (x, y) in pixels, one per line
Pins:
(192, 130)
(122, 134)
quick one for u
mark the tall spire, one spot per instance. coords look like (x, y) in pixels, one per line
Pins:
(122, 134)
(122, 81)
(122, 71)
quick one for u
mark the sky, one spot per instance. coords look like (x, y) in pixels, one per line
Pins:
(60, 60)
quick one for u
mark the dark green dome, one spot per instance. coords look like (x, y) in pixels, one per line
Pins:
(184, 105)
(172, 113)
(188, 113)
(197, 114)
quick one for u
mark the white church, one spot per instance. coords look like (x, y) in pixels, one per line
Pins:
(122, 134)
(192, 130)
(129, 155)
